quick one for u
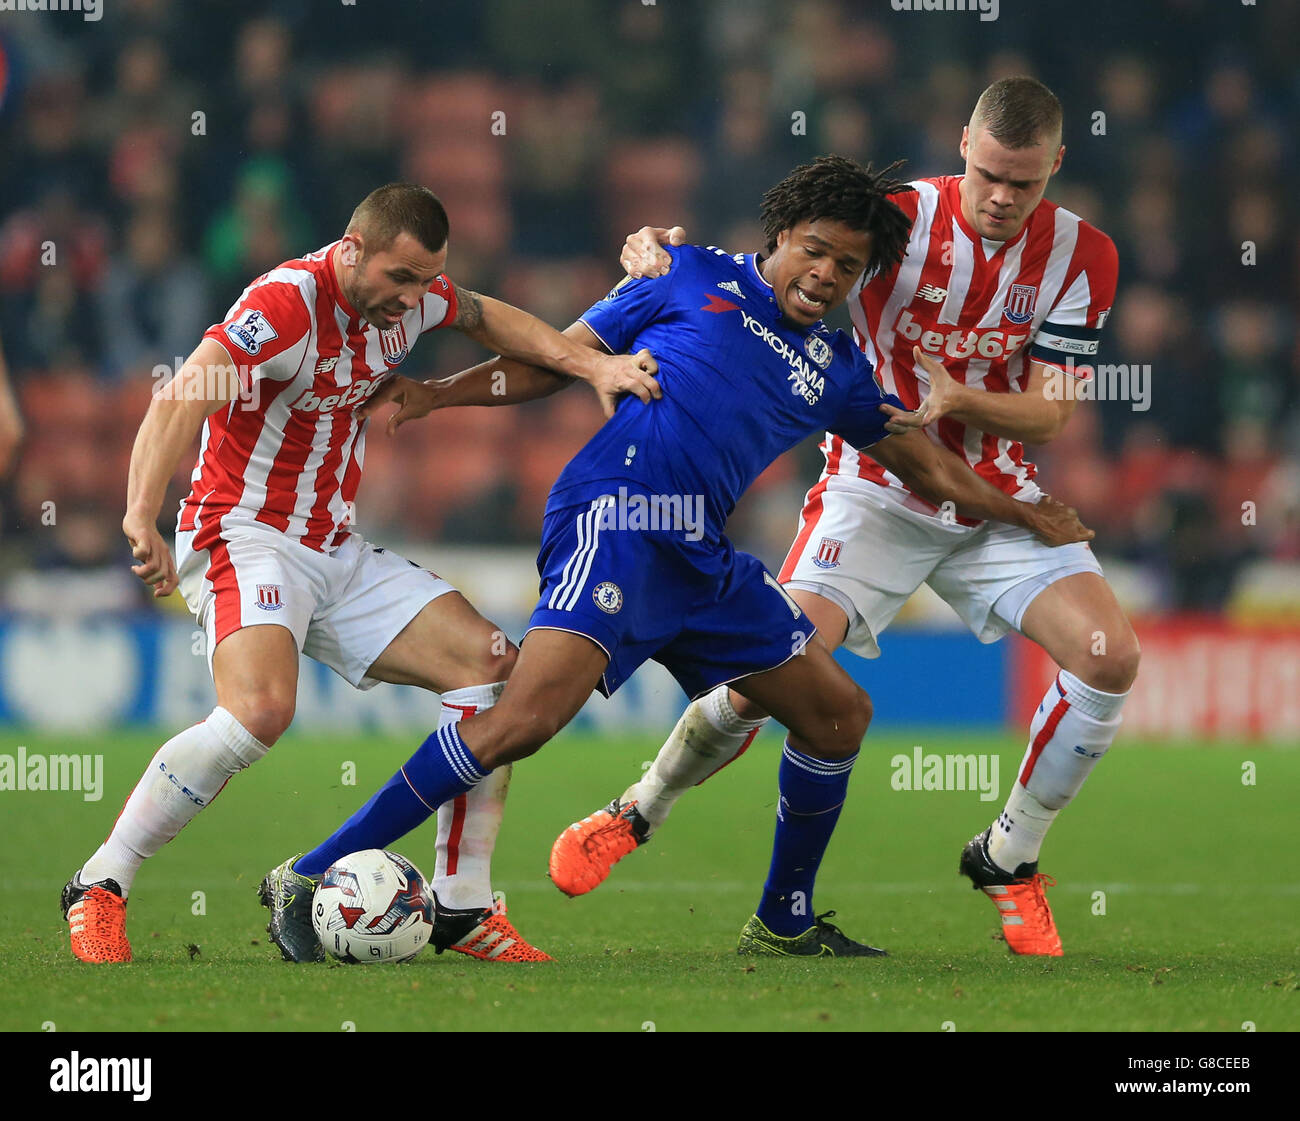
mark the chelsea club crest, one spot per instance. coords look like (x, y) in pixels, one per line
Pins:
(818, 350)
(608, 597)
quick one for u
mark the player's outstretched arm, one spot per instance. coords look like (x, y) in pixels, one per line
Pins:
(516, 334)
(207, 381)
(641, 253)
(938, 476)
(498, 381)
(1036, 416)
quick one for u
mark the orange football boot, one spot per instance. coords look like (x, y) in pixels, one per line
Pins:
(584, 853)
(1027, 923)
(484, 933)
(97, 919)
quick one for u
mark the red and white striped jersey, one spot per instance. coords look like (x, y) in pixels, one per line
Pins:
(986, 310)
(287, 453)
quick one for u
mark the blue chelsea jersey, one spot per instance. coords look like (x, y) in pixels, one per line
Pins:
(740, 386)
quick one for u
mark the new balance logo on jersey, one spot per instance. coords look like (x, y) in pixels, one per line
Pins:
(325, 365)
(732, 287)
(933, 294)
(348, 398)
(959, 342)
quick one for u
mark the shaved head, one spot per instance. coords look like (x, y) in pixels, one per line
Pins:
(396, 209)
(1018, 113)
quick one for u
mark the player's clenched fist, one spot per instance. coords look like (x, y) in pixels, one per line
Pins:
(1056, 523)
(641, 253)
(156, 567)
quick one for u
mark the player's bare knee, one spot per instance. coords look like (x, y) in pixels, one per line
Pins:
(866, 710)
(852, 725)
(494, 662)
(841, 726)
(499, 666)
(1115, 669)
(264, 716)
(1119, 670)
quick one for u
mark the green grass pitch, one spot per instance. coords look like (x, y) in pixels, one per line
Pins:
(1199, 928)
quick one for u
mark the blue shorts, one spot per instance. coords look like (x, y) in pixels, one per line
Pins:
(704, 611)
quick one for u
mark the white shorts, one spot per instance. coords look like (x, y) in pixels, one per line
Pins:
(342, 608)
(864, 548)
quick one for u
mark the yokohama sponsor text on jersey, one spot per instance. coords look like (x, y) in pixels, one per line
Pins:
(288, 454)
(985, 310)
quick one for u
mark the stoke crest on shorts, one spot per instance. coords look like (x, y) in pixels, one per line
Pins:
(268, 597)
(828, 553)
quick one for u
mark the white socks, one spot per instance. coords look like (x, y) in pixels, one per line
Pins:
(1018, 833)
(708, 736)
(469, 823)
(1074, 727)
(187, 773)
(190, 769)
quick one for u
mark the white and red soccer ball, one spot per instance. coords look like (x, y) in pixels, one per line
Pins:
(373, 906)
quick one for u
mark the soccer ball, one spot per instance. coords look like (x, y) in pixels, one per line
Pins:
(372, 906)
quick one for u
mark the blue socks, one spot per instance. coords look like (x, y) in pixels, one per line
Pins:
(441, 768)
(812, 792)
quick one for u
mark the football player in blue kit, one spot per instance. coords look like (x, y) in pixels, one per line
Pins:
(634, 563)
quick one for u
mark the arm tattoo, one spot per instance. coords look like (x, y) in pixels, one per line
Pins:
(469, 310)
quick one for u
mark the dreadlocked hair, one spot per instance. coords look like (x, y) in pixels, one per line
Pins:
(842, 189)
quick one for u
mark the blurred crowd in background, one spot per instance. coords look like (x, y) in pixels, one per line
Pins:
(551, 130)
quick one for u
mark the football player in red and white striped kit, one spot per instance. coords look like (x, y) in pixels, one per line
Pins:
(269, 561)
(996, 308)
